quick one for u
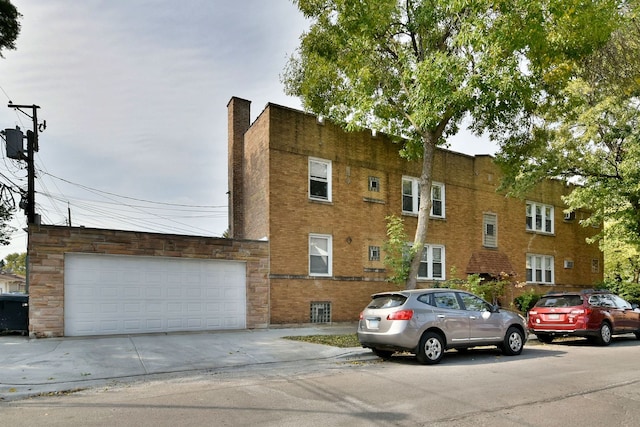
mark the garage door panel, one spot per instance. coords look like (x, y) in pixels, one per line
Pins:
(109, 294)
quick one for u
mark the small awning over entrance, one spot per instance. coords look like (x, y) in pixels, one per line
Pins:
(490, 263)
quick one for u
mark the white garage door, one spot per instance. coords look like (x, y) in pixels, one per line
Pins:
(112, 294)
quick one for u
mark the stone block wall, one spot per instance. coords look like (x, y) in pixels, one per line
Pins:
(49, 244)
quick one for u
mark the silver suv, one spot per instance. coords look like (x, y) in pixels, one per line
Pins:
(426, 322)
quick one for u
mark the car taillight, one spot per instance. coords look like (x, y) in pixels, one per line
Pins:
(401, 315)
(361, 315)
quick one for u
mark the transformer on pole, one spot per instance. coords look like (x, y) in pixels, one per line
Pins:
(15, 150)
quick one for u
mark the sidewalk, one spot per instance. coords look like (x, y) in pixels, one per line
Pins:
(33, 366)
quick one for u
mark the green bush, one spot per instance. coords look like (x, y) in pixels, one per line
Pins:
(628, 291)
(526, 301)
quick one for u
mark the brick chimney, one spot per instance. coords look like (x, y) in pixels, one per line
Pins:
(239, 121)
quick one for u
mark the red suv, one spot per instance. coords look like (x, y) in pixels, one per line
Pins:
(597, 315)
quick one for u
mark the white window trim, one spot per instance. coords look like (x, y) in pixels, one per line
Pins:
(543, 207)
(415, 195)
(329, 240)
(329, 174)
(428, 251)
(485, 241)
(441, 185)
(530, 265)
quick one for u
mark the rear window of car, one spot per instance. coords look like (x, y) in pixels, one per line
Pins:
(387, 301)
(560, 301)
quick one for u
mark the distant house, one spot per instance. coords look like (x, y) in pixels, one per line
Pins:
(10, 282)
(320, 196)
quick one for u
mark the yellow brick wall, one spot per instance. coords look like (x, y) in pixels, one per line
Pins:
(355, 217)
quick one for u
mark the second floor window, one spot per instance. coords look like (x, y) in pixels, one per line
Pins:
(411, 197)
(490, 231)
(320, 179)
(539, 217)
(540, 269)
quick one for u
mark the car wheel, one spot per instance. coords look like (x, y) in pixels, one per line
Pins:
(545, 338)
(604, 336)
(513, 342)
(382, 354)
(637, 335)
(430, 349)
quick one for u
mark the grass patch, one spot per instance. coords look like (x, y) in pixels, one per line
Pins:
(343, 341)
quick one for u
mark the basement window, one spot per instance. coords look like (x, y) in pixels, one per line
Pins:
(320, 312)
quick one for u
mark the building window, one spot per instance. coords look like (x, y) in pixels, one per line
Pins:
(320, 312)
(432, 263)
(595, 265)
(539, 217)
(490, 230)
(374, 253)
(411, 197)
(437, 200)
(540, 269)
(320, 179)
(374, 183)
(320, 255)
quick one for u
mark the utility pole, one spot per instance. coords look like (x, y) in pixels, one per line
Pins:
(15, 137)
(32, 147)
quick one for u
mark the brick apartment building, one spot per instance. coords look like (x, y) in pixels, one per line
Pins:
(320, 196)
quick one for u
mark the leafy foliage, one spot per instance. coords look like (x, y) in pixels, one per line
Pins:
(526, 301)
(6, 212)
(396, 257)
(588, 132)
(415, 69)
(16, 263)
(489, 290)
(9, 25)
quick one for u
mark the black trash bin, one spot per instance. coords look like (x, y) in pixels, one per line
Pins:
(14, 313)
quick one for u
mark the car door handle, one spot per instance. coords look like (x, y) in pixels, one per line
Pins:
(441, 316)
(472, 317)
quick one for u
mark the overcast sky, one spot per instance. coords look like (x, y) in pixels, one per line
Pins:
(134, 95)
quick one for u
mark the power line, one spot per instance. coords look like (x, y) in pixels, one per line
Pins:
(132, 198)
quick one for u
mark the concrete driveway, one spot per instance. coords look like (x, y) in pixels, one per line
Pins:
(33, 366)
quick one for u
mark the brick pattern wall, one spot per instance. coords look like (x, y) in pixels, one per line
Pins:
(239, 120)
(355, 217)
(48, 245)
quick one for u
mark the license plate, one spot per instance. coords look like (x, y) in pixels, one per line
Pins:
(373, 324)
(554, 316)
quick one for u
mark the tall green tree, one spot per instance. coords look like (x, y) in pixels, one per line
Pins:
(414, 69)
(9, 25)
(589, 133)
(16, 263)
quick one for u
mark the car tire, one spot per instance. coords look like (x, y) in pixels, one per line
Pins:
(430, 349)
(513, 342)
(545, 338)
(382, 354)
(604, 334)
(637, 335)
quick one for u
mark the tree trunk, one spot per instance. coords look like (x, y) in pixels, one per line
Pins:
(424, 209)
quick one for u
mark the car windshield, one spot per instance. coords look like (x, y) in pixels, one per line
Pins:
(387, 301)
(559, 301)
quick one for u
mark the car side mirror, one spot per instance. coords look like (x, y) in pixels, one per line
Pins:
(495, 308)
